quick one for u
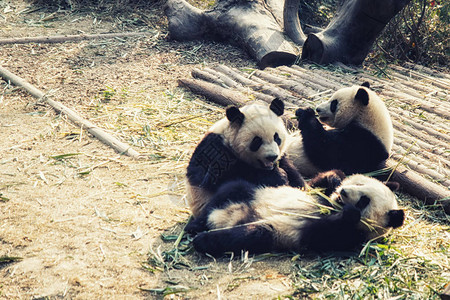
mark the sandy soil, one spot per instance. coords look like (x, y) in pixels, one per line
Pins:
(82, 218)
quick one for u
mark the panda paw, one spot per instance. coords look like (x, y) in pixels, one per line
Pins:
(350, 214)
(205, 242)
(304, 115)
(195, 226)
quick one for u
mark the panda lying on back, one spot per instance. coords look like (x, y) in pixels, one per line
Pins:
(242, 216)
(361, 138)
(248, 144)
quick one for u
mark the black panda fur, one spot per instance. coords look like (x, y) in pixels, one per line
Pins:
(242, 216)
(248, 144)
(361, 138)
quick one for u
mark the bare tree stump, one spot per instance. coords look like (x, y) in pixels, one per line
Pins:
(248, 23)
(351, 34)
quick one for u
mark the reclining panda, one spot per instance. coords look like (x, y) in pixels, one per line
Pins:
(360, 140)
(248, 144)
(243, 216)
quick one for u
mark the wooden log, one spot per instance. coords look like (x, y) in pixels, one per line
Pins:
(425, 190)
(213, 92)
(248, 23)
(71, 114)
(69, 38)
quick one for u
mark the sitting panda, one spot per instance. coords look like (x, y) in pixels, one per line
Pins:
(248, 144)
(360, 141)
(242, 216)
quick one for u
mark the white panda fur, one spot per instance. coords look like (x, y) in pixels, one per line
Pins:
(373, 117)
(249, 144)
(242, 216)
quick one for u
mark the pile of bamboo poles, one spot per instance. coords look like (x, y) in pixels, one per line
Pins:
(418, 99)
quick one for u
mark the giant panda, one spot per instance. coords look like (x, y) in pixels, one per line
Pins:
(242, 216)
(360, 140)
(249, 144)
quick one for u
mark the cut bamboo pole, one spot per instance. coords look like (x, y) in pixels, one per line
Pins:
(71, 114)
(414, 184)
(68, 38)
(213, 92)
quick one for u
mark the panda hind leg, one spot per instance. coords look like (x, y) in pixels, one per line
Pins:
(328, 180)
(237, 191)
(255, 238)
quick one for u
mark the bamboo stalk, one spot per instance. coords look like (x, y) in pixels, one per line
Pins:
(71, 114)
(69, 38)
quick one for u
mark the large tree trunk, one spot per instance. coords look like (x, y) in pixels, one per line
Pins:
(249, 23)
(351, 34)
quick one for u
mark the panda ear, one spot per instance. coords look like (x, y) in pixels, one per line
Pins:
(362, 96)
(396, 217)
(277, 106)
(392, 185)
(366, 84)
(234, 115)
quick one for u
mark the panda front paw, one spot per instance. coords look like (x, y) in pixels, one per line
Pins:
(351, 214)
(205, 242)
(195, 226)
(304, 115)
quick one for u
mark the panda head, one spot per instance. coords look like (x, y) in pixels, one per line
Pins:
(375, 199)
(256, 133)
(344, 106)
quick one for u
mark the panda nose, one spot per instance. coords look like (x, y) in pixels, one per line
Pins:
(318, 110)
(272, 158)
(343, 193)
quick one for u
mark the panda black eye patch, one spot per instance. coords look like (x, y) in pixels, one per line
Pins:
(333, 105)
(277, 139)
(256, 143)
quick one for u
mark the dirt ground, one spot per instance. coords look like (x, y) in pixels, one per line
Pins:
(82, 218)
